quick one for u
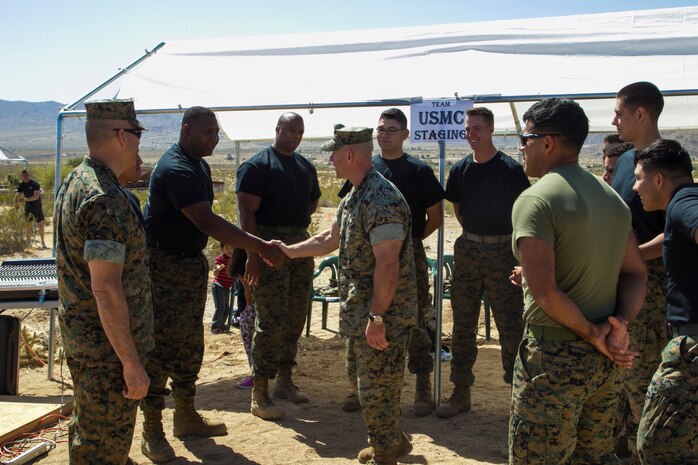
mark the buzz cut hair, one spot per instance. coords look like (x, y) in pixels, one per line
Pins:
(484, 112)
(195, 114)
(397, 115)
(642, 94)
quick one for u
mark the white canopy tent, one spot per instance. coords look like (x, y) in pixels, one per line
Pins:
(505, 64)
(8, 156)
(350, 76)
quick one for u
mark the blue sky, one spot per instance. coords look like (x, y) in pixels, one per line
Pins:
(60, 50)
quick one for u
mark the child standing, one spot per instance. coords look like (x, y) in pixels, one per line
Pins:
(220, 288)
(247, 316)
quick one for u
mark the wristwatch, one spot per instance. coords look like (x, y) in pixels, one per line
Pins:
(376, 319)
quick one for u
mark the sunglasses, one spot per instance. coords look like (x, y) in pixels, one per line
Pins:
(523, 137)
(135, 132)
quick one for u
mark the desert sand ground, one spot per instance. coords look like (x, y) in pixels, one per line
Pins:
(317, 432)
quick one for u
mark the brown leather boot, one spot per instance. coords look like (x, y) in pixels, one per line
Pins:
(154, 445)
(285, 389)
(189, 422)
(423, 398)
(402, 449)
(457, 403)
(262, 405)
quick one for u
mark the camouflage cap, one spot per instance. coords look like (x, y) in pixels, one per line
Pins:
(122, 109)
(347, 136)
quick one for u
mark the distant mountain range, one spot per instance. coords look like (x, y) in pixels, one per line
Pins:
(29, 128)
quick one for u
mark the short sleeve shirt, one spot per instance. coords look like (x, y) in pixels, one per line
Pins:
(587, 224)
(647, 225)
(286, 184)
(681, 256)
(27, 189)
(416, 181)
(485, 192)
(373, 212)
(178, 180)
(95, 221)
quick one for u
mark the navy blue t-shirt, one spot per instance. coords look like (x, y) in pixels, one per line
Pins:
(415, 180)
(287, 184)
(647, 225)
(681, 256)
(27, 189)
(178, 181)
(486, 192)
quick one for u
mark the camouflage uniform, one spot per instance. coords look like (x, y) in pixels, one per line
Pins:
(420, 360)
(480, 267)
(554, 383)
(648, 337)
(375, 203)
(281, 300)
(180, 287)
(94, 221)
(667, 430)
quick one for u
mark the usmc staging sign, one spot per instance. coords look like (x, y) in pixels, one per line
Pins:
(439, 121)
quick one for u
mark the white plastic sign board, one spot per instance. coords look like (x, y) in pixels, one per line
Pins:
(435, 121)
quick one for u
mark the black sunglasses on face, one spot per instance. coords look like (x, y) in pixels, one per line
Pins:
(135, 132)
(523, 137)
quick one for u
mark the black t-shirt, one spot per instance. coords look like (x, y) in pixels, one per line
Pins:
(135, 203)
(681, 256)
(486, 192)
(647, 225)
(178, 181)
(286, 184)
(416, 181)
(27, 189)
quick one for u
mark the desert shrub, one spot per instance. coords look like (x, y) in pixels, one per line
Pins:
(13, 230)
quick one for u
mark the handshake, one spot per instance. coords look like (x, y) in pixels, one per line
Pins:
(275, 253)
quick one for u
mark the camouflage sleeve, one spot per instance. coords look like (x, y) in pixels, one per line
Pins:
(104, 220)
(387, 232)
(108, 251)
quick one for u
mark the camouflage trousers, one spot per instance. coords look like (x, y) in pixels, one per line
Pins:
(668, 430)
(648, 336)
(563, 403)
(378, 376)
(281, 300)
(481, 268)
(420, 360)
(101, 429)
(179, 300)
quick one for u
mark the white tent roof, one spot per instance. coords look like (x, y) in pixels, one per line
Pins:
(13, 157)
(496, 61)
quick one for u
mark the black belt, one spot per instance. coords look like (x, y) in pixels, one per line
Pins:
(690, 329)
(487, 239)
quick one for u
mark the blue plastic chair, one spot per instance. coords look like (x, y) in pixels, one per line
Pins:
(449, 264)
(332, 263)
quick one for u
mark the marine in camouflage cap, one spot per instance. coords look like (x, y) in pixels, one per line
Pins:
(347, 136)
(119, 109)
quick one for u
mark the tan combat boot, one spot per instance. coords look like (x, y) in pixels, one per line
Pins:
(459, 402)
(154, 445)
(423, 398)
(402, 449)
(262, 406)
(189, 422)
(285, 389)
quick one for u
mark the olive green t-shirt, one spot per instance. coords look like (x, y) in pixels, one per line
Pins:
(587, 224)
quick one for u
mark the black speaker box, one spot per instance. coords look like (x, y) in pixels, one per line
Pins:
(9, 355)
